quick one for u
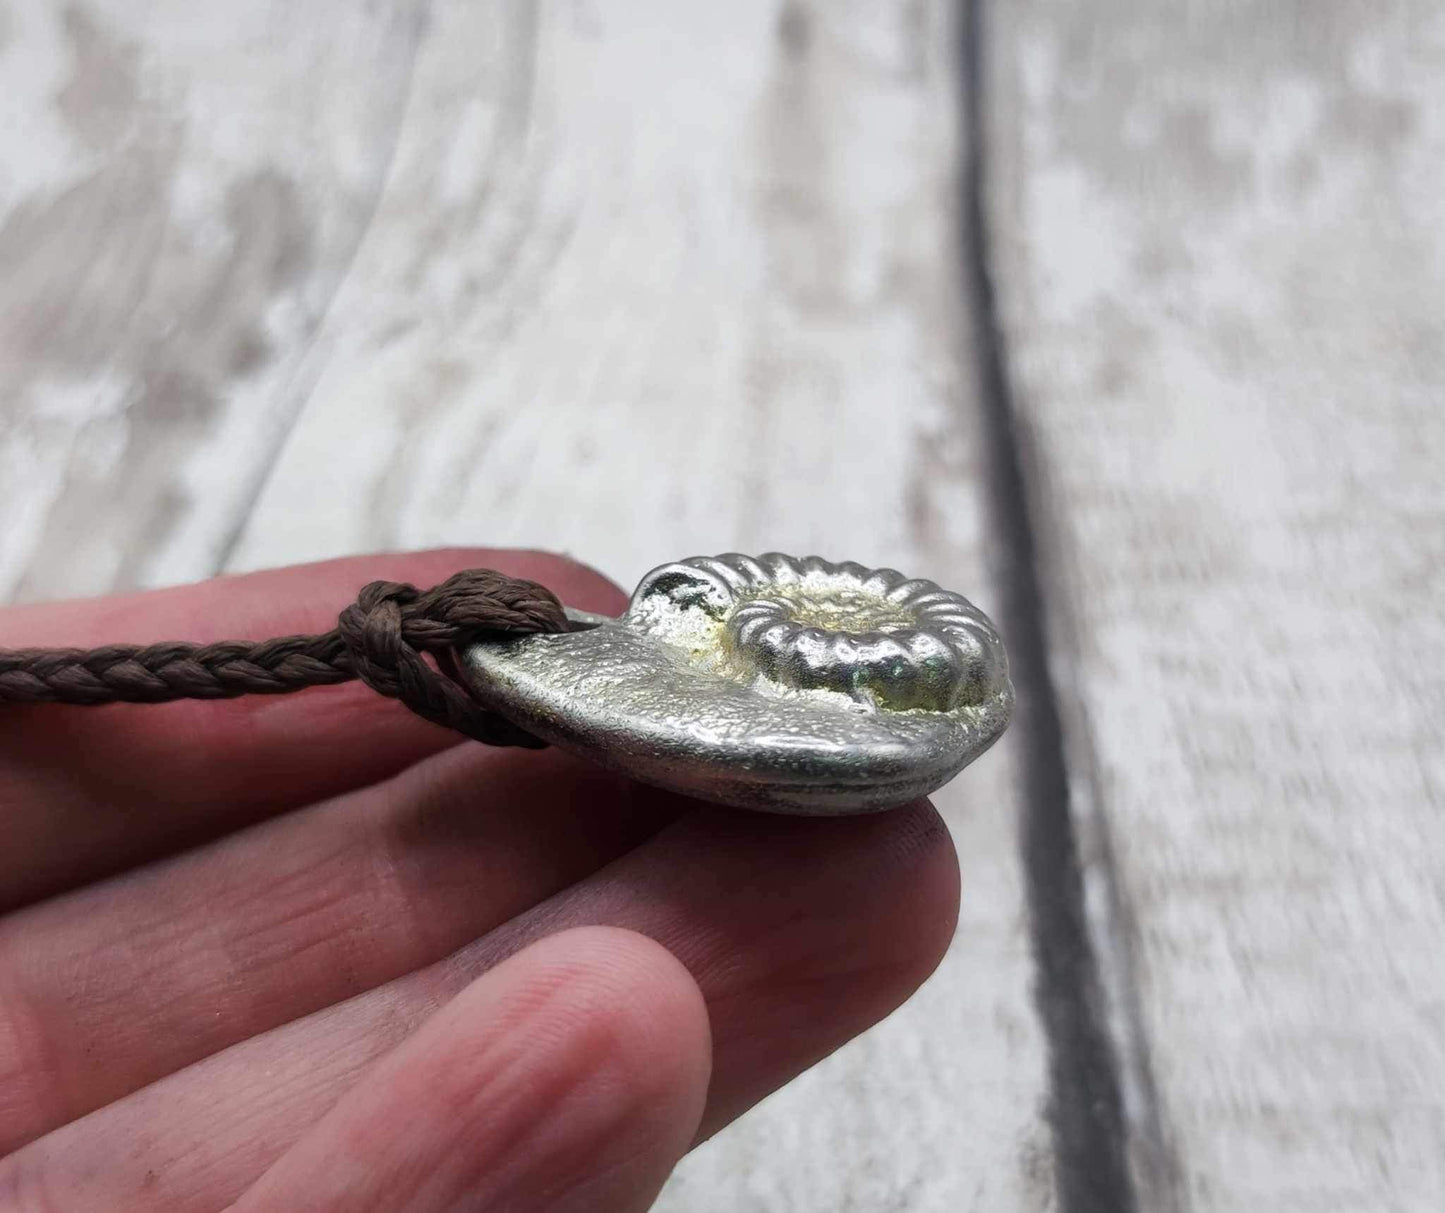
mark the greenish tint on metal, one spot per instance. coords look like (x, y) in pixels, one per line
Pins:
(774, 683)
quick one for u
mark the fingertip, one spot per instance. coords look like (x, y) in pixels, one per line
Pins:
(814, 930)
(628, 1003)
(906, 920)
(932, 895)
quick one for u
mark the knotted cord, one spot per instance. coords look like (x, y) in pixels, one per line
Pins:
(381, 638)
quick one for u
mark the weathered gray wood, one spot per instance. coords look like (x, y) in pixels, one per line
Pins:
(180, 197)
(640, 281)
(1220, 253)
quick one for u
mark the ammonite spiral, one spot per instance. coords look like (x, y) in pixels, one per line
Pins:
(874, 635)
(771, 682)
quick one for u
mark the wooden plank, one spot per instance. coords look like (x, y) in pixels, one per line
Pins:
(637, 281)
(180, 196)
(1220, 256)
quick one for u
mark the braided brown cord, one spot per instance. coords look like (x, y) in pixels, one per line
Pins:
(380, 639)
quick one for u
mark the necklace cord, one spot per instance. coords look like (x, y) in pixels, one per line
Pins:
(382, 639)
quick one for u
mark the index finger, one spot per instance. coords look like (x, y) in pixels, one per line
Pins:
(85, 792)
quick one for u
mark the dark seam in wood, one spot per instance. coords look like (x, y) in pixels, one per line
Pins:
(1086, 1105)
(1155, 1171)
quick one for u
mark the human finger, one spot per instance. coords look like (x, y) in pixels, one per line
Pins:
(570, 1078)
(89, 791)
(167, 964)
(800, 933)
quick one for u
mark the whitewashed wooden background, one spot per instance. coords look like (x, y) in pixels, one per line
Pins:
(1126, 319)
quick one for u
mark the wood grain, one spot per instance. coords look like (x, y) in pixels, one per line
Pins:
(1219, 249)
(180, 197)
(636, 281)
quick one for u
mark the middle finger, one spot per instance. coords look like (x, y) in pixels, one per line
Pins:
(170, 963)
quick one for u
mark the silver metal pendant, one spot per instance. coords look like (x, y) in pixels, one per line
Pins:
(792, 686)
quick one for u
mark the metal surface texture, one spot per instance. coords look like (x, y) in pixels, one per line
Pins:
(774, 683)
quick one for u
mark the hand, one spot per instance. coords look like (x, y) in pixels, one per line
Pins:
(313, 953)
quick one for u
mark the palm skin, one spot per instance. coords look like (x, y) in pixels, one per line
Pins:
(313, 953)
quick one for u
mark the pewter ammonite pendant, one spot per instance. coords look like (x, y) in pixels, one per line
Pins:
(794, 686)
